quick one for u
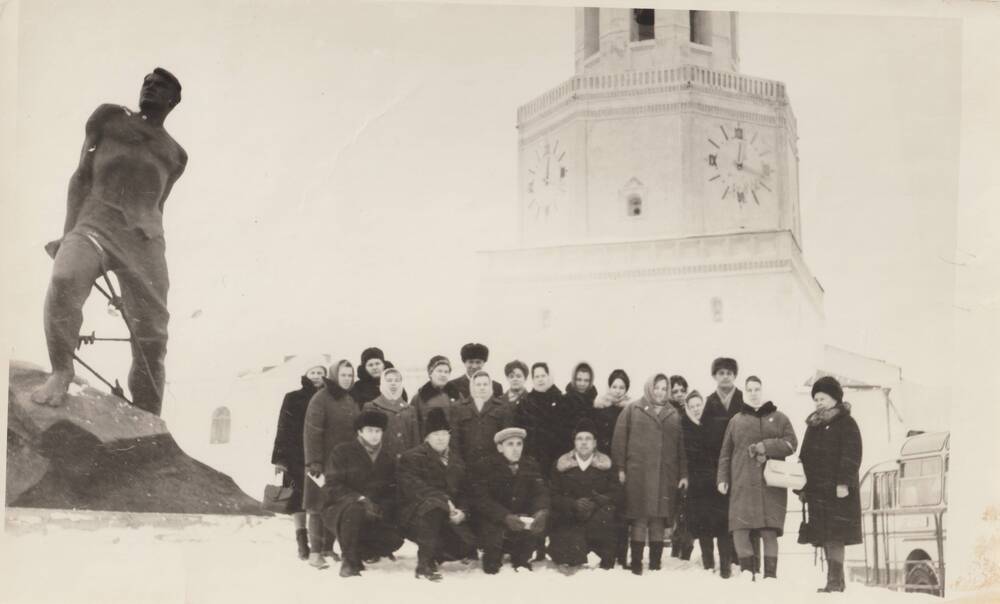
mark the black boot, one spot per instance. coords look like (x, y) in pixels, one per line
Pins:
(707, 553)
(349, 568)
(834, 577)
(770, 567)
(302, 537)
(607, 562)
(491, 561)
(746, 566)
(426, 569)
(755, 562)
(635, 565)
(725, 563)
(655, 555)
(622, 551)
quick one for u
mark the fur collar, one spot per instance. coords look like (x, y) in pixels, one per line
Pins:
(334, 388)
(429, 391)
(568, 462)
(765, 409)
(826, 416)
(308, 387)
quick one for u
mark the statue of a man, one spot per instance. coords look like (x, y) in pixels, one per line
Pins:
(114, 222)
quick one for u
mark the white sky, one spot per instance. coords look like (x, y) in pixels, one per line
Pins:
(346, 159)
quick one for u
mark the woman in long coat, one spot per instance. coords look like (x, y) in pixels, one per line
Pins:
(757, 433)
(831, 458)
(329, 422)
(707, 509)
(288, 455)
(606, 409)
(648, 451)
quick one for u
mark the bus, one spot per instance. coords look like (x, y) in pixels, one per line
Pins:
(903, 505)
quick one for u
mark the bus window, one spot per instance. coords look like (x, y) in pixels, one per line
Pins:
(920, 483)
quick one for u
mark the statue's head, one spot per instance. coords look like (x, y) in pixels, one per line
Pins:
(161, 91)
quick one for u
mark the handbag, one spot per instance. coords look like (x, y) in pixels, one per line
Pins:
(277, 498)
(805, 528)
(784, 474)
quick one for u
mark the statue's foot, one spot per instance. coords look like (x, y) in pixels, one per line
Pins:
(53, 391)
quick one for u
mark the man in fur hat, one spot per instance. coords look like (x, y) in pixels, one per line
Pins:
(474, 356)
(432, 497)
(585, 494)
(361, 495)
(511, 503)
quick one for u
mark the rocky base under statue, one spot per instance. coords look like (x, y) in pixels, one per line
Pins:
(97, 452)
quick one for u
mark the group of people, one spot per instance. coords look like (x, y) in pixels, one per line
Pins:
(465, 467)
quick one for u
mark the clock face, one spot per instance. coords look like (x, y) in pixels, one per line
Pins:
(547, 180)
(740, 165)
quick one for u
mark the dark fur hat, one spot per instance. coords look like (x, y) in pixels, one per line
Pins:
(436, 420)
(374, 419)
(830, 386)
(474, 350)
(372, 353)
(725, 363)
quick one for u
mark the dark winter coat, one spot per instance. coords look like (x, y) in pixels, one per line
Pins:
(426, 483)
(288, 450)
(571, 536)
(329, 422)
(497, 492)
(472, 431)
(715, 408)
(649, 448)
(541, 414)
(458, 388)
(753, 504)
(707, 509)
(427, 398)
(604, 413)
(352, 475)
(831, 455)
(402, 433)
(575, 405)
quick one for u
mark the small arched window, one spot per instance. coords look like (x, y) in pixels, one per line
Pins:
(221, 421)
(634, 205)
(717, 310)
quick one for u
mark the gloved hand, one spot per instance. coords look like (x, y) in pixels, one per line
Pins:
(584, 507)
(315, 469)
(513, 522)
(538, 526)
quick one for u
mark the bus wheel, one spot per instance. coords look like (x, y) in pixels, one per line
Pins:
(920, 579)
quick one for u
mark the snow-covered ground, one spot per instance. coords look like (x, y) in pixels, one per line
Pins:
(69, 557)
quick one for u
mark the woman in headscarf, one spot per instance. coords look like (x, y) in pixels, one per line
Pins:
(706, 508)
(367, 388)
(831, 458)
(577, 403)
(288, 455)
(329, 422)
(604, 413)
(757, 433)
(403, 430)
(648, 451)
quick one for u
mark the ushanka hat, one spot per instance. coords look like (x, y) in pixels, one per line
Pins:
(476, 351)
(830, 386)
(506, 433)
(585, 425)
(372, 419)
(725, 363)
(438, 359)
(436, 420)
(372, 353)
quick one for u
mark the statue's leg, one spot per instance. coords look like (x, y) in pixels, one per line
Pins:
(144, 285)
(77, 266)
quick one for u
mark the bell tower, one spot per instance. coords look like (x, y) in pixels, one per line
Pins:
(657, 134)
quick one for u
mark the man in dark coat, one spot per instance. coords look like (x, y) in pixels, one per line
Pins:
(585, 494)
(475, 420)
(433, 500)
(361, 496)
(707, 509)
(288, 455)
(510, 503)
(474, 356)
(725, 403)
(831, 457)
(435, 392)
